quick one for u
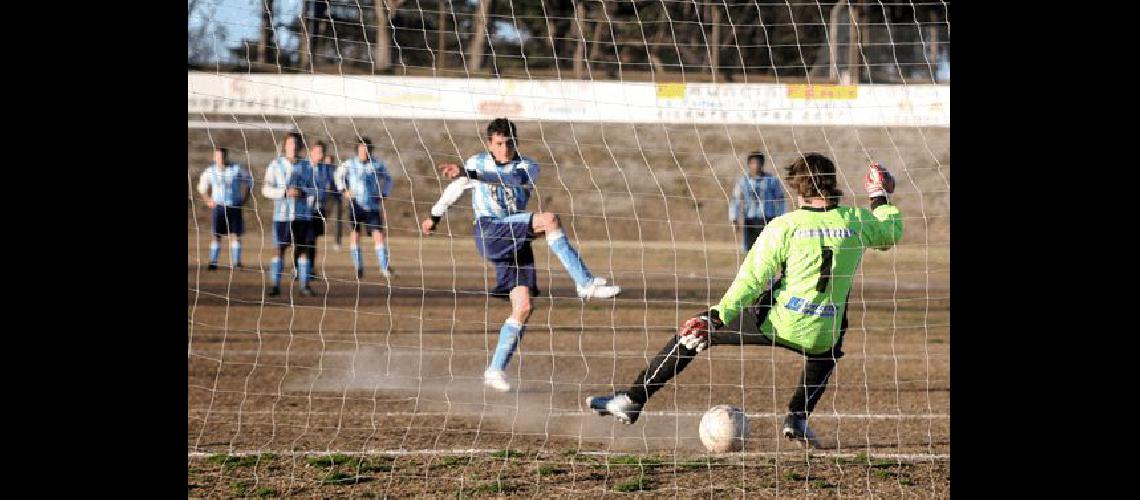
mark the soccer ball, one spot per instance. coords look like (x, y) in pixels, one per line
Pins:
(723, 429)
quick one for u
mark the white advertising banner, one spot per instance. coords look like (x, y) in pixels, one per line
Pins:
(568, 100)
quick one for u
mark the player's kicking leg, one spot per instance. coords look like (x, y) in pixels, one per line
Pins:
(587, 285)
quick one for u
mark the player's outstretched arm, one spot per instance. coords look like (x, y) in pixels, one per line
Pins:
(448, 198)
(886, 227)
(525, 176)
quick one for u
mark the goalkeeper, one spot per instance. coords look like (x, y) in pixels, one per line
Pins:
(817, 249)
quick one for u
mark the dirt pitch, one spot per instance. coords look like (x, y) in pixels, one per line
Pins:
(371, 389)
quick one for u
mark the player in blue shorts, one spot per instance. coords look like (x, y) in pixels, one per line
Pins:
(289, 182)
(502, 181)
(225, 186)
(364, 182)
(325, 190)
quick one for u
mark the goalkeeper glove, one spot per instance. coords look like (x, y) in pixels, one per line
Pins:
(878, 181)
(694, 333)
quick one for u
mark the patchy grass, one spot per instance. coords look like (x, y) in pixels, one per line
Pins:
(240, 488)
(821, 484)
(452, 461)
(793, 476)
(639, 484)
(550, 470)
(266, 492)
(507, 454)
(644, 463)
(330, 460)
(338, 477)
(884, 473)
(494, 487)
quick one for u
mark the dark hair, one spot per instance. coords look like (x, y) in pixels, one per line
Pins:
(320, 144)
(502, 126)
(813, 176)
(758, 156)
(365, 141)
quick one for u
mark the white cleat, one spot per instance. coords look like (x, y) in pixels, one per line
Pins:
(598, 289)
(496, 380)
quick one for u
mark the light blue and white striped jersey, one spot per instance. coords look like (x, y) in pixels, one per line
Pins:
(325, 183)
(229, 186)
(367, 181)
(759, 197)
(281, 175)
(502, 189)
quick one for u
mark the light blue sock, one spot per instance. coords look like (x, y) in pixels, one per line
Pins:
(235, 253)
(357, 258)
(382, 256)
(303, 270)
(569, 257)
(509, 337)
(275, 271)
(215, 249)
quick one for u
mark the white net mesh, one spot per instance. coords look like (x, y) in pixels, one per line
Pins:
(641, 116)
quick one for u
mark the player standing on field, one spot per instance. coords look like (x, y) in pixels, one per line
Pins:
(289, 183)
(365, 183)
(502, 181)
(757, 198)
(817, 249)
(325, 188)
(228, 185)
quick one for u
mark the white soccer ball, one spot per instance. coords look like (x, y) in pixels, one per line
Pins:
(723, 429)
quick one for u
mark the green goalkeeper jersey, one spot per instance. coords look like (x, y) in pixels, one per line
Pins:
(818, 251)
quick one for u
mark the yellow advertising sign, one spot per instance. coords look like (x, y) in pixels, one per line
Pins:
(801, 91)
(670, 91)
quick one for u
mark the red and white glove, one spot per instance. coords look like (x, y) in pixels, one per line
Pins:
(694, 333)
(879, 181)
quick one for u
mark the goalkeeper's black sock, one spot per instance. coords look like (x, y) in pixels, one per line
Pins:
(672, 359)
(813, 381)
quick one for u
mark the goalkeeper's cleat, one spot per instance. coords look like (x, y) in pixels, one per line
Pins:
(619, 405)
(275, 291)
(598, 289)
(308, 292)
(213, 266)
(796, 429)
(496, 380)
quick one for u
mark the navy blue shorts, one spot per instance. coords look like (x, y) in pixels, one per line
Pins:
(227, 220)
(317, 225)
(752, 229)
(299, 232)
(369, 221)
(505, 242)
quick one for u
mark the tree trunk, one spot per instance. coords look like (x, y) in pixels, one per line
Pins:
(306, 42)
(266, 37)
(382, 60)
(580, 52)
(475, 54)
(441, 50)
(714, 48)
(853, 49)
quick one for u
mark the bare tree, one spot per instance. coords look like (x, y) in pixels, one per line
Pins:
(475, 56)
(267, 31)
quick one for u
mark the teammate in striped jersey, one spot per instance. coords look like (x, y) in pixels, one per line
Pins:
(225, 186)
(364, 182)
(757, 198)
(289, 182)
(817, 249)
(325, 187)
(501, 181)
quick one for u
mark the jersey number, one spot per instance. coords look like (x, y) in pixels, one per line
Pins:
(824, 270)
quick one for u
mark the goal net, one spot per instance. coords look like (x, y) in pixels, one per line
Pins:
(640, 117)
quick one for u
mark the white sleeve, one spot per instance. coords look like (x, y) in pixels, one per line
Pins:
(274, 186)
(204, 182)
(339, 176)
(450, 195)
